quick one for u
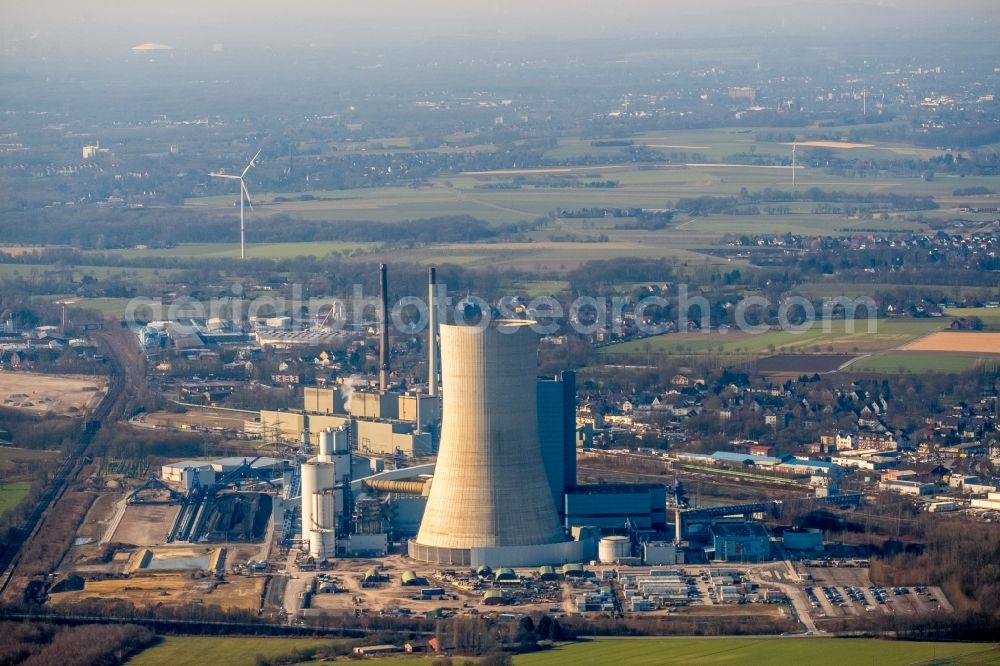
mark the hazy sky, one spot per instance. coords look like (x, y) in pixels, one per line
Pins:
(116, 24)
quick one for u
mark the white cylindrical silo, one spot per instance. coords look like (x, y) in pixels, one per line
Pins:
(490, 488)
(323, 514)
(341, 440)
(322, 544)
(325, 445)
(613, 549)
(317, 477)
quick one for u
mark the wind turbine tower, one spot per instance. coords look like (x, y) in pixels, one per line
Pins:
(793, 165)
(244, 195)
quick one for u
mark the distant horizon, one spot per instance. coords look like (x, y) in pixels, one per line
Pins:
(113, 26)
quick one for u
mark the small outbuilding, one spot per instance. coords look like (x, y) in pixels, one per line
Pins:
(547, 573)
(493, 598)
(411, 578)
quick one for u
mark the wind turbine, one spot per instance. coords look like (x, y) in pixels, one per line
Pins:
(244, 194)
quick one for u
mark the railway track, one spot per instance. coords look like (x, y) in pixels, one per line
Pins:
(106, 411)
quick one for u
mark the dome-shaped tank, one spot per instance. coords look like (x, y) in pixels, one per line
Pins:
(613, 549)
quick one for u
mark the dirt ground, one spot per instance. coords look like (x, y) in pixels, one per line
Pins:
(205, 418)
(957, 341)
(64, 395)
(235, 593)
(146, 524)
(391, 594)
(98, 517)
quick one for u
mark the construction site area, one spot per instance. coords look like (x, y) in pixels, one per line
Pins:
(58, 395)
(151, 543)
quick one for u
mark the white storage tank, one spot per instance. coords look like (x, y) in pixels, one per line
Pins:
(612, 549)
(322, 544)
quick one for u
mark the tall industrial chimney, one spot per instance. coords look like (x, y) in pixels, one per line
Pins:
(432, 378)
(490, 498)
(383, 352)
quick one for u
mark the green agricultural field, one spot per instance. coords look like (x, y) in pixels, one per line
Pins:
(548, 255)
(829, 289)
(762, 652)
(646, 186)
(236, 651)
(642, 186)
(888, 334)
(35, 271)
(376, 204)
(919, 362)
(108, 307)
(802, 222)
(11, 494)
(400, 660)
(720, 143)
(253, 250)
(537, 288)
(990, 316)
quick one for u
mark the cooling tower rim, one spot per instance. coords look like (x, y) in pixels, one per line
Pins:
(502, 325)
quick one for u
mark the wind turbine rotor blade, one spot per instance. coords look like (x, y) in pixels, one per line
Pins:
(251, 164)
(246, 193)
(224, 175)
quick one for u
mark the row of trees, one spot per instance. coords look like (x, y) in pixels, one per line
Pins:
(96, 228)
(706, 205)
(39, 644)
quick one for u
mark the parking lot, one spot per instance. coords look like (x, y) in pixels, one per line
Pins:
(848, 592)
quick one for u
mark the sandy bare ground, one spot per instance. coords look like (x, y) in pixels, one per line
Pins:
(956, 341)
(57, 394)
(145, 524)
(18, 250)
(236, 593)
(831, 144)
(207, 418)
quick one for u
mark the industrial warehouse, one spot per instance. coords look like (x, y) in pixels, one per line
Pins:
(464, 490)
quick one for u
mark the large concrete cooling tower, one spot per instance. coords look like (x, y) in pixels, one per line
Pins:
(490, 501)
